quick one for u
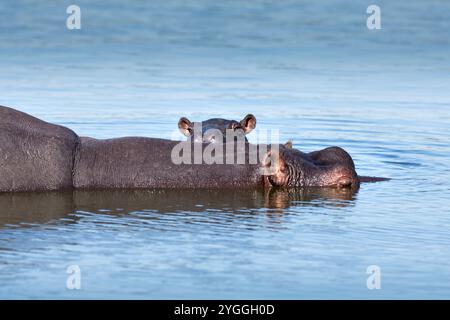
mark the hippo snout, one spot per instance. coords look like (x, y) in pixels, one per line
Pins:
(347, 181)
(344, 182)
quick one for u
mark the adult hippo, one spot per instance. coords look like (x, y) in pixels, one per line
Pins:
(134, 162)
(35, 156)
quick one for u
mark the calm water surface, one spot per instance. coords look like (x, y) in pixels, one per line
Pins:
(312, 71)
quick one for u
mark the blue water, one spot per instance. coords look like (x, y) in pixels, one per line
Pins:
(311, 70)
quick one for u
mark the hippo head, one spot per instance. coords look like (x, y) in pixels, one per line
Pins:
(208, 131)
(289, 167)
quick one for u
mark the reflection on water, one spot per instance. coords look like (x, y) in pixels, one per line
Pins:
(283, 198)
(34, 208)
(25, 209)
(148, 241)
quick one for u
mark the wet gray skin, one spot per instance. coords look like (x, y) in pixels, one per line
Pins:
(147, 163)
(36, 156)
(216, 129)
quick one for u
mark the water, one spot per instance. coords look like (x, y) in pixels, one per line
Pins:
(313, 71)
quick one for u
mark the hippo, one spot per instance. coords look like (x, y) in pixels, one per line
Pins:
(38, 156)
(211, 126)
(34, 155)
(138, 162)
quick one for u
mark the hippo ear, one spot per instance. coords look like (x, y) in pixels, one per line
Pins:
(288, 144)
(248, 123)
(185, 126)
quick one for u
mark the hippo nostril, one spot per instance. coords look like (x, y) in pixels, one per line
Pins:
(344, 182)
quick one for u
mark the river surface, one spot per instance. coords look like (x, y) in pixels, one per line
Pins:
(312, 71)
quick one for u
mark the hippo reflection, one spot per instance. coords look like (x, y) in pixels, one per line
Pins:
(31, 208)
(34, 207)
(276, 198)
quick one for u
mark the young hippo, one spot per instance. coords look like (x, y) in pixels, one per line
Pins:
(208, 131)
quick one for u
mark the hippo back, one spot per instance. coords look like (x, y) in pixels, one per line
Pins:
(139, 162)
(34, 155)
